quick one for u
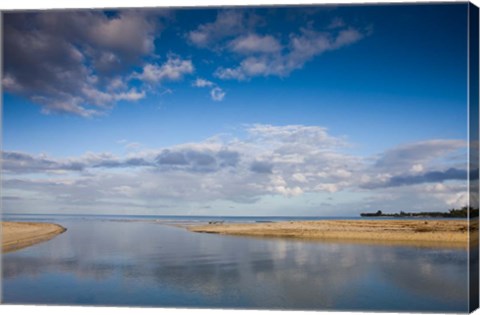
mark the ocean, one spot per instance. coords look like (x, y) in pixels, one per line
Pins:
(146, 261)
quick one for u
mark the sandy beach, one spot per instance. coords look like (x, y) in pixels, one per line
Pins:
(448, 233)
(17, 235)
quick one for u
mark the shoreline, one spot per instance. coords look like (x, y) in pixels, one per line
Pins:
(438, 233)
(18, 235)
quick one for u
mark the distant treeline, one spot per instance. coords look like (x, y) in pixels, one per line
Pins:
(452, 213)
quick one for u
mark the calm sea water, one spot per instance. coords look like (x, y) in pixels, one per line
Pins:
(124, 261)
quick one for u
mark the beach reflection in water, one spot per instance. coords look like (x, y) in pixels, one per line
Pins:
(149, 264)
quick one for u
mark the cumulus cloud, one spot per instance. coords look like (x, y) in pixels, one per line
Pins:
(276, 54)
(80, 62)
(336, 23)
(232, 169)
(254, 43)
(172, 70)
(199, 82)
(227, 24)
(292, 161)
(19, 162)
(196, 159)
(275, 61)
(23, 163)
(88, 57)
(414, 156)
(315, 137)
(216, 93)
(428, 177)
(75, 62)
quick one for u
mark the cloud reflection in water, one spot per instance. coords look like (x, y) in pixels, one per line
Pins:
(139, 263)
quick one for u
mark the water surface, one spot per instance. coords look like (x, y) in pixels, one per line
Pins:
(116, 261)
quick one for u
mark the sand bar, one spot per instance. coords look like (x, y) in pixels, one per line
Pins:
(443, 233)
(17, 235)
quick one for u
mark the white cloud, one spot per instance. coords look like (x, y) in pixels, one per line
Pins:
(172, 70)
(9, 83)
(413, 156)
(286, 191)
(266, 54)
(342, 173)
(117, 83)
(217, 168)
(299, 177)
(199, 82)
(131, 34)
(73, 105)
(291, 136)
(227, 24)
(435, 188)
(331, 188)
(131, 95)
(417, 168)
(85, 56)
(253, 43)
(293, 161)
(217, 94)
(429, 197)
(346, 37)
(230, 73)
(105, 99)
(336, 23)
(272, 60)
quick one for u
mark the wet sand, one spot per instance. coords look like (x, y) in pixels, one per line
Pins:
(443, 233)
(17, 235)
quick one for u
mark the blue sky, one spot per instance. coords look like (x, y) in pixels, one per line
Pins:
(258, 111)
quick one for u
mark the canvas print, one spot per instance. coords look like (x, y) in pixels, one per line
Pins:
(303, 157)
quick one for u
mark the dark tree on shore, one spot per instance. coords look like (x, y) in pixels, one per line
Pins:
(464, 212)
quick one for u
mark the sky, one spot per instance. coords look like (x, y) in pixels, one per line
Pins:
(287, 111)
